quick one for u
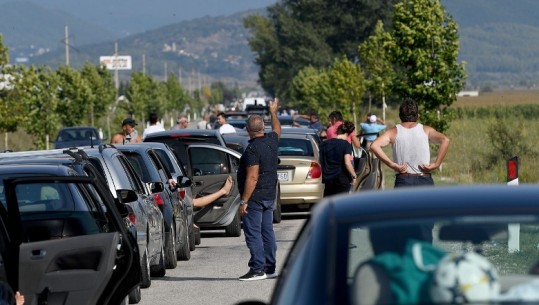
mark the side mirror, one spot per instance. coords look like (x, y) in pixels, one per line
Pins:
(156, 187)
(122, 209)
(184, 181)
(127, 195)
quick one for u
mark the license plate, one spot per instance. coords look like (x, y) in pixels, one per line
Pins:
(283, 176)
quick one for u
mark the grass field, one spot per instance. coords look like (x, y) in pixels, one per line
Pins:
(474, 155)
(493, 127)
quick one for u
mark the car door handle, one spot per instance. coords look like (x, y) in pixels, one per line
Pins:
(199, 183)
(38, 254)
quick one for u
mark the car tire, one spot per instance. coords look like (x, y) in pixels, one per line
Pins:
(197, 236)
(159, 270)
(170, 249)
(145, 280)
(192, 237)
(184, 253)
(277, 217)
(234, 228)
(135, 295)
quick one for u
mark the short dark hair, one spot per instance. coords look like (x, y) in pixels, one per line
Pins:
(221, 114)
(153, 118)
(346, 127)
(408, 110)
(336, 115)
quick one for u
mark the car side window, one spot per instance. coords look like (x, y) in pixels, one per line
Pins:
(206, 161)
(131, 175)
(53, 210)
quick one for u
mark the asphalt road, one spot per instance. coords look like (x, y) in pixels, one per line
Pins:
(211, 275)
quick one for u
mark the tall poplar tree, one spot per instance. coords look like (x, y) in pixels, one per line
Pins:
(424, 51)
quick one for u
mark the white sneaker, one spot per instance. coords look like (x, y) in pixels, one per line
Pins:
(272, 275)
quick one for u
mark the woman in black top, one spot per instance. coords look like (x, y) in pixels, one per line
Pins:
(335, 158)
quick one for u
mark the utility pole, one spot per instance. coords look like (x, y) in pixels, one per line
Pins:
(116, 77)
(66, 33)
(143, 64)
(166, 71)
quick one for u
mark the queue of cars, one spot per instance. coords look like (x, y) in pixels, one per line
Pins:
(156, 198)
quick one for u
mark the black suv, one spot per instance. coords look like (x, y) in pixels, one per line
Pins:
(148, 165)
(64, 238)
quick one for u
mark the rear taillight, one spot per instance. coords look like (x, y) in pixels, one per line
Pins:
(315, 171)
(132, 217)
(182, 193)
(158, 199)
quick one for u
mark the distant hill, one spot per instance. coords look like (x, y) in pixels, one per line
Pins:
(215, 47)
(498, 38)
(29, 29)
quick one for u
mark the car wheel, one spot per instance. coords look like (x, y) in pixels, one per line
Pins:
(197, 236)
(184, 253)
(146, 280)
(277, 212)
(192, 237)
(234, 228)
(159, 270)
(135, 296)
(170, 249)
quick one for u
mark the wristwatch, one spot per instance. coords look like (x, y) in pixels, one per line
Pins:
(243, 202)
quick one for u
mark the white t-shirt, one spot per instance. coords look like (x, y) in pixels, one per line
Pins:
(152, 129)
(227, 128)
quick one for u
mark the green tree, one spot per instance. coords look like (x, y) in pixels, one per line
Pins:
(102, 91)
(4, 55)
(310, 91)
(176, 97)
(145, 95)
(296, 34)
(424, 50)
(376, 64)
(347, 87)
(74, 96)
(12, 98)
(339, 87)
(42, 120)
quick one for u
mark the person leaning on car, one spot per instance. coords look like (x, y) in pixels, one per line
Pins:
(411, 152)
(257, 181)
(128, 135)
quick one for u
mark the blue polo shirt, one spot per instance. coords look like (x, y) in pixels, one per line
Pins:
(261, 151)
(371, 128)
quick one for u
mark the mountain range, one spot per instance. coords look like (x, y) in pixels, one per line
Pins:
(498, 38)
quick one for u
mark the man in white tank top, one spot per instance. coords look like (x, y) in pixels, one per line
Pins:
(411, 153)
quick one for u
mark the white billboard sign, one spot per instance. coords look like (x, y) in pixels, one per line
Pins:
(116, 62)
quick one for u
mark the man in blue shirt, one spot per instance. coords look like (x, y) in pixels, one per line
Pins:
(370, 129)
(257, 183)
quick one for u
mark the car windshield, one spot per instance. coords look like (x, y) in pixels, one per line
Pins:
(496, 256)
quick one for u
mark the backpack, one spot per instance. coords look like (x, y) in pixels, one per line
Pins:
(411, 272)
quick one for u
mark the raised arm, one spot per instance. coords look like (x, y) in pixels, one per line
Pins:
(275, 124)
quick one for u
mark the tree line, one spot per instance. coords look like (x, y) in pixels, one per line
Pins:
(40, 101)
(320, 55)
(328, 55)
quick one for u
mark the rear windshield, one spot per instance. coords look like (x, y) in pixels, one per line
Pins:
(295, 147)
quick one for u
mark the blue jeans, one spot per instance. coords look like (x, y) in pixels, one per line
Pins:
(259, 236)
